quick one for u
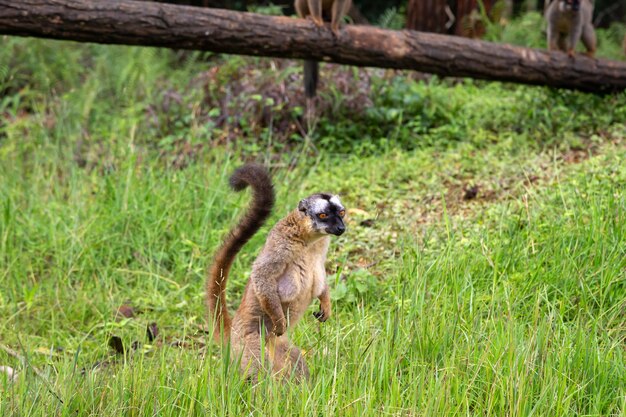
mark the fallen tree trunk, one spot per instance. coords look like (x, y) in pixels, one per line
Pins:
(132, 22)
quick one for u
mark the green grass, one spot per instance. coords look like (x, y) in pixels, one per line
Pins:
(113, 172)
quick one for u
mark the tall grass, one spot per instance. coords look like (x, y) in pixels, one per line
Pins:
(521, 315)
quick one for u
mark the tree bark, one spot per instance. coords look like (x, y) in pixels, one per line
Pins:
(427, 15)
(154, 24)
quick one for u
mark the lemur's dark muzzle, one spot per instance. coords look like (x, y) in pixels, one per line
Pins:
(338, 230)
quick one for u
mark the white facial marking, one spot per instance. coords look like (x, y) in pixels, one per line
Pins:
(319, 205)
(335, 201)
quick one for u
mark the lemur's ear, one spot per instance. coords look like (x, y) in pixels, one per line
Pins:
(302, 205)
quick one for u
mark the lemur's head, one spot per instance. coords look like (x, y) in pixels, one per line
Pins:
(326, 213)
(569, 5)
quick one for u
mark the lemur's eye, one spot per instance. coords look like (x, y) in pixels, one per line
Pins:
(322, 215)
(342, 213)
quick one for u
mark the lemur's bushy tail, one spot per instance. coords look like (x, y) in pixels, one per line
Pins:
(258, 178)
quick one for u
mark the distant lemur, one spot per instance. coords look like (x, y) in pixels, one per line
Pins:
(568, 22)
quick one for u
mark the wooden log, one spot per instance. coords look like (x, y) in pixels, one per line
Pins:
(133, 22)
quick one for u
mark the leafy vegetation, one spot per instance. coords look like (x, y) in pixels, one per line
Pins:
(483, 272)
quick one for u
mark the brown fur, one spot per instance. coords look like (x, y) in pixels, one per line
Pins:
(567, 27)
(286, 276)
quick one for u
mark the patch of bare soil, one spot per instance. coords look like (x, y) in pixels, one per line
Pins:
(464, 198)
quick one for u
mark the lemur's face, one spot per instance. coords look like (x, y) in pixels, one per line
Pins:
(326, 213)
(570, 5)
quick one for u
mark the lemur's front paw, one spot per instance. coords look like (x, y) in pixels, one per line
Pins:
(280, 327)
(321, 315)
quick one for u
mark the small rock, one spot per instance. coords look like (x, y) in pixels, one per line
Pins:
(115, 343)
(470, 193)
(125, 311)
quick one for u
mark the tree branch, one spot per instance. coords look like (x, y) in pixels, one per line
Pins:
(156, 24)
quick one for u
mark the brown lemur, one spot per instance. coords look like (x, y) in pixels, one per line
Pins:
(568, 22)
(320, 11)
(287, 274)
